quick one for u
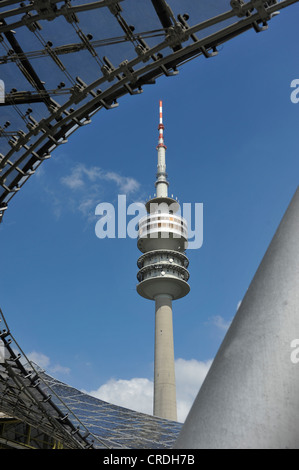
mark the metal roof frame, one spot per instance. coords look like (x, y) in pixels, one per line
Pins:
(178, 44)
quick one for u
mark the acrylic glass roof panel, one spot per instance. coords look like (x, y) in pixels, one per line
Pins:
(74, 418)
(62, 61)
(115, 425)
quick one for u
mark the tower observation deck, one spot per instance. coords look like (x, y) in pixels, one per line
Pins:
(163, 277)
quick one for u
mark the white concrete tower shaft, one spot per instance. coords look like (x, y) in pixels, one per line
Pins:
(164, 376)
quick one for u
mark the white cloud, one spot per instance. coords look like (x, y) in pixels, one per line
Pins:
(137, 393)
(81, 176)
(52, 195)
(74, 180)
(44, 362)
(190, 375)
(40, 359)
(58, 369)
(126, 184)
(87, 184)
(222, 324)
(83, 187)
(87, 205)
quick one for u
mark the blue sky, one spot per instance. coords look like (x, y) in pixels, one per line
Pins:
(231, 132)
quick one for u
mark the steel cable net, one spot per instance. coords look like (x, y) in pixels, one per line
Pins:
(73, 418)
(64, 60)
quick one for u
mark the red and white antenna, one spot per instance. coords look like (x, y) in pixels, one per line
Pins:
(161, 181)
(161, 127)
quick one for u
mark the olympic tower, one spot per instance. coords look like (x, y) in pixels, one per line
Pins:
(163, 277)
